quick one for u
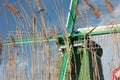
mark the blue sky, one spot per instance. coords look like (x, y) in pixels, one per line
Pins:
(107, 56)
(11, 22)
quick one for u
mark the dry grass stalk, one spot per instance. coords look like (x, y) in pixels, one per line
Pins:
(95, 66)
(76, 10)
(1, 36)
(10, 56)
(96, 75)
(109, 5)
(43, 21)
(12, 8)
(34, 21)
(13, 41)
(96, 11)
(15, 66)
(43, 63)
(68, 49)
(53, 32)
(0, 49)
(25, 16)
(8, 73)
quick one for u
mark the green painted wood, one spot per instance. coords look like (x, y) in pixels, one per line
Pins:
(98, 31)
(29, 40)
(71, 16)
(80, 65)
(64, 67)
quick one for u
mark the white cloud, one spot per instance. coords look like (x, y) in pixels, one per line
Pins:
(107, 17)
(116, 14)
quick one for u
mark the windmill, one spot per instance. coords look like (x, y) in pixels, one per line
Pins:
(74, 45)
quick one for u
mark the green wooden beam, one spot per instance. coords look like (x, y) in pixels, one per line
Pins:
(64, 67)
(71, 16)
(29, 40)
(100, 30)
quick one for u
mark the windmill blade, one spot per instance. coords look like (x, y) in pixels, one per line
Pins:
(64, 67)
(100, 30)
(71, 16)
(29, 40)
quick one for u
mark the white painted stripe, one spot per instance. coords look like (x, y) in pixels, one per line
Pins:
(75, 45)
(98, 28)
(69, 13)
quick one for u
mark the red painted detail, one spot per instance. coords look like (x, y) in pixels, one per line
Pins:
(116, 71)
